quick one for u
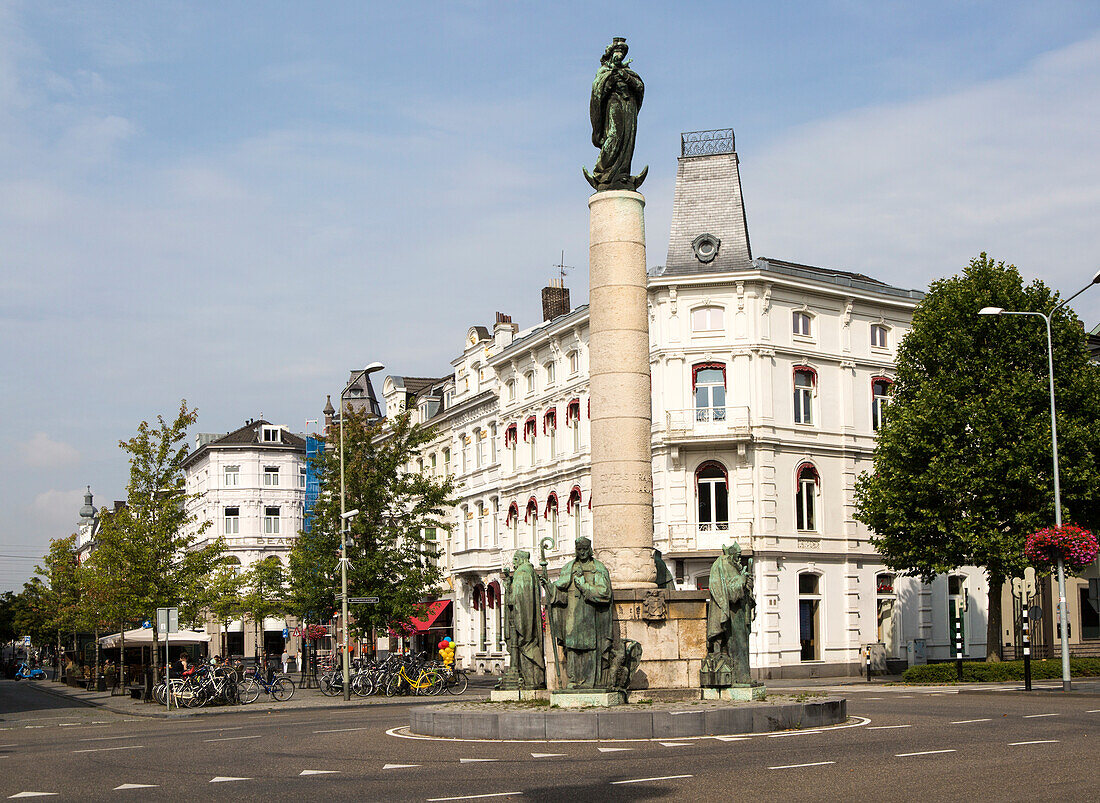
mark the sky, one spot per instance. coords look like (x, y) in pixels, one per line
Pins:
(235, 203)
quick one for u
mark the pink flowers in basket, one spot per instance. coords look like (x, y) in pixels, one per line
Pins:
(1077, 547)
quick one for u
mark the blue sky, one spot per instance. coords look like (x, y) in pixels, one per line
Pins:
(237, 202)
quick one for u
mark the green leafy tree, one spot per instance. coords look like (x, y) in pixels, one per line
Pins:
(264, 592)
(390, 541)
(224, 596)
(962, 468)
(146, 546)
(57, 593)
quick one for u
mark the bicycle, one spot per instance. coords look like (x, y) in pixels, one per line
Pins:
(455, 681)
(281, 688)
(428, 682)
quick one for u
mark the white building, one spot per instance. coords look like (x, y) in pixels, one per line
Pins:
(768, 381)
(250, 484)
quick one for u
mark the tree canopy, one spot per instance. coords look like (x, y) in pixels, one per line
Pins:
(390, 541)
(962, 467)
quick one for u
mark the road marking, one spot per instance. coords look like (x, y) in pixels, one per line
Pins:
(215, 730)
(136, 786)
(67, 724)
(1036, 716)
(968, 721)
(343, 730)
(796, 766)
(923, 753)
(546, 755)
(1037, 741)
(791, 733)
(475, 760)
(319, 772)
(105, 749)
(234, 738)
(225, 778)
(655, 778)
(732, 738)
(887, 727)
(43, 793)
(675, 744)
(904, 695)
(1093, 711)
(398, 766)
(106, 738)
(473, 797)
(613, 749)
(872, 698)
(33, 794)
(8, 745)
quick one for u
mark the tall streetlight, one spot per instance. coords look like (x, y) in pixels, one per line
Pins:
(1063, 610)
(345, 518)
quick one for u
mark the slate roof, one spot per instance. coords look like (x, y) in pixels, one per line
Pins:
(251, 434)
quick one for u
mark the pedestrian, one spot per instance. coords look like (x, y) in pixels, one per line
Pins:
(286, 662)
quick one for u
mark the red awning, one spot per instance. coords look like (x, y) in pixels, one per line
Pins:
(430, 614)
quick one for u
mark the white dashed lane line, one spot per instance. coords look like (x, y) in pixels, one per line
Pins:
(546, 755)
(473, 797)
(969, 721)
(233, 738)
(105, 749)
(797, 766)
(476, 760)
(227, 779)
(655, 778)
(398, 766)
(923, 753)
(319, 772)
(1036, 716)
(135, 786)
(343, 730)
(1037, 741)
(887, 727)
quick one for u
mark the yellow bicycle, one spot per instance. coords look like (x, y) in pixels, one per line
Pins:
(428, 681)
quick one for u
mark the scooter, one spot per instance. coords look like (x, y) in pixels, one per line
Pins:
(34, 673)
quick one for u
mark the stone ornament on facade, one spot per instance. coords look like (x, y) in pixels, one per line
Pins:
(705, 247)
(654, 606)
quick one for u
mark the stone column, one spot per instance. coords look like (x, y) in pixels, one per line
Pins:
(621, 394)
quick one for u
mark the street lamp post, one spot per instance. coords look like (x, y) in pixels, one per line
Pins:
(345, 518)
(1063, 617)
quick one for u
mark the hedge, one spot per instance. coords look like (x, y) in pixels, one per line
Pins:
(993, 672)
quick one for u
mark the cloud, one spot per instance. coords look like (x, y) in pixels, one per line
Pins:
(909, 192)
(42, 451)
(57, 511)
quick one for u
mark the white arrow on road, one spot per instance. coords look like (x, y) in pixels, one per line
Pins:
(224, 778)
(136, 786)
(475, 760)
(32, 794)
(546, 755)
(319, 772)
(398, 766)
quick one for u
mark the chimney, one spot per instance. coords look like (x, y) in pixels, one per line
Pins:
(555, 300)
(503, 331)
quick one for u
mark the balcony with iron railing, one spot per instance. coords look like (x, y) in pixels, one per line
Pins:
(698, 536)
(721, 424)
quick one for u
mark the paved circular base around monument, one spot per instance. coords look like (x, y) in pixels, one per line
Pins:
(525, 722)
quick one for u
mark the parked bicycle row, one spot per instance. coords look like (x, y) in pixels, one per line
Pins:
(395, 675)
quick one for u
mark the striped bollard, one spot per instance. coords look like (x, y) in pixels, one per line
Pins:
(1027, 649)
(959, 648)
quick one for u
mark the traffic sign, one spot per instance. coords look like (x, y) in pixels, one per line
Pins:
(363, 600)
(1035, 614)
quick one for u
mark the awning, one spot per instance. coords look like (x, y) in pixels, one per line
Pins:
(430, 614)
(144, 637)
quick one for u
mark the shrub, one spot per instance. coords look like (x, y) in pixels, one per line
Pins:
(999, 672)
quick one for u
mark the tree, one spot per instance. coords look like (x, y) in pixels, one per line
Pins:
(223, 597)
(391, 540)
(56, 593)
(962, 468)
(144, 548)
(264, 592)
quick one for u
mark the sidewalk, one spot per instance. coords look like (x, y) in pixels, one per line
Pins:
(308, 699)
(1085, 687)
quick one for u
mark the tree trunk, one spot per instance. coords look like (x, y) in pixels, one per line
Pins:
(994, 651)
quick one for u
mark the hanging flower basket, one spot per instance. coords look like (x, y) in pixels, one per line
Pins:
(1077, 547)
(316, 631)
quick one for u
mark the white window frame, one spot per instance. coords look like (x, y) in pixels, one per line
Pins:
(802, 324)
(529, 378)
(271, 476)
(302, 476)
(272, 520)
(232, 523)
(271, 435)
(819, 614)
(574, 362)
(231, 476)
(879, 401)
(883, 330)
(804, 396)
(807, 491)
(551, 373)
(711, 316)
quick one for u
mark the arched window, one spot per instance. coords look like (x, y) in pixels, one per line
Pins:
(573, 506)
(552, 516)
(529, 380)
(805, 515)
(884, 609)
(712, 491)
(708, 381)
(512, 523)
(805, 388)
(809, 616)
(511, 386)
(707, 319)
(530, 431)
(880, 336)
(493, 600)
(483, 619)
(573, 420)
(550, 428)
(802, 323)
(531, 519)
(880, 397)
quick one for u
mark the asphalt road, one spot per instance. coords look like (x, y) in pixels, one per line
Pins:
(902, 742)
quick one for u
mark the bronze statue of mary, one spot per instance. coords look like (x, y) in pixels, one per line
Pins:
(616, 98)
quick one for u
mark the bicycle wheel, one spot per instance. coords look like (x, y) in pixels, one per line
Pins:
(331, 685)
(248, 690)
(393, 685)
(432, 683)
(282, 689)
(158, 693)
(192, 696)
(361, 685)
(458, 682)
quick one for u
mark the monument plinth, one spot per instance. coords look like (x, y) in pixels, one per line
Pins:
(622, 463)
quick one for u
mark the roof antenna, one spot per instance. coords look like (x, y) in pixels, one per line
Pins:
(563, 269)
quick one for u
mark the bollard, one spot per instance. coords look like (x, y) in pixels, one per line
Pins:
(868, 664)
(958, 648)
(1027, 650)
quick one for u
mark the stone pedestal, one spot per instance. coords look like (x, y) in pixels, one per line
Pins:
(622, 465)
(515, 695)
(739, 692)
(586, 698)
